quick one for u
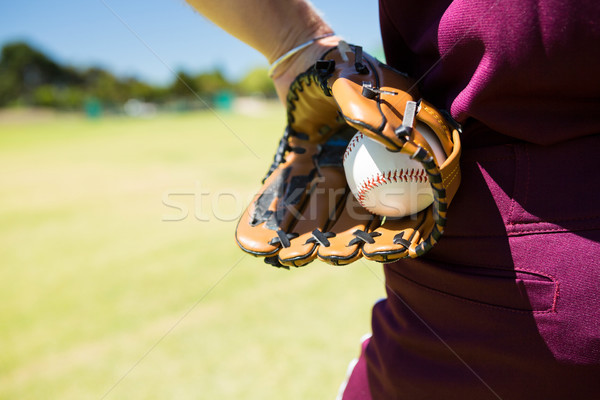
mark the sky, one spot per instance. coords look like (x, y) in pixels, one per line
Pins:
(150, 39)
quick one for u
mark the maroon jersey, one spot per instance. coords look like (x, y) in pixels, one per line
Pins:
(527, 69)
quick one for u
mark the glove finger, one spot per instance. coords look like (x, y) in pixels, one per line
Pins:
(382, 102)
(371, 95)
(399, 238)
(324, 201)
(262, 229)
(349, 232)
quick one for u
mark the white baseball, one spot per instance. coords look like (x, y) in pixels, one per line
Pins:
(387, 183)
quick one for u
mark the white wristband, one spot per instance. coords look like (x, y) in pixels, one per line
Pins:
(293, 51)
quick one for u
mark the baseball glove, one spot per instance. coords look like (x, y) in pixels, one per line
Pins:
(305, 210)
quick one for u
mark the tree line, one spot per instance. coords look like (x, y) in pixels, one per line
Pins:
(28, 77)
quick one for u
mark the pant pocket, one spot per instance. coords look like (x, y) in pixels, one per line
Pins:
(514, 289)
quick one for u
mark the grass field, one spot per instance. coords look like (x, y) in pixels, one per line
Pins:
(120, 278)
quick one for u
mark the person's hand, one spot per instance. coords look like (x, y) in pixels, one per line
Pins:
(304, 209)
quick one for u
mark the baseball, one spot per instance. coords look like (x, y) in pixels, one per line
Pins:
(386, 183)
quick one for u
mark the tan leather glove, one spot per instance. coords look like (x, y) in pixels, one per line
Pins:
(304, 209)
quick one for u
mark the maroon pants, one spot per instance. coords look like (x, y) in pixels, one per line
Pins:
(507, 305)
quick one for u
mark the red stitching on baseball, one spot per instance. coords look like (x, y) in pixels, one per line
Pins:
(399, 175)
(352, 145)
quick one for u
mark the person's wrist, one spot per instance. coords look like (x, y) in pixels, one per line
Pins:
(288, 70)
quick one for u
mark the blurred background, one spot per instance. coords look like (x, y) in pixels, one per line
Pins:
(132, 136)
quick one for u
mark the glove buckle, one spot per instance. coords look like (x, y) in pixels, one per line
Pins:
(410, 111)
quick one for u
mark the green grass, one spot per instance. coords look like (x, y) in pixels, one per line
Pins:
(98, 290)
